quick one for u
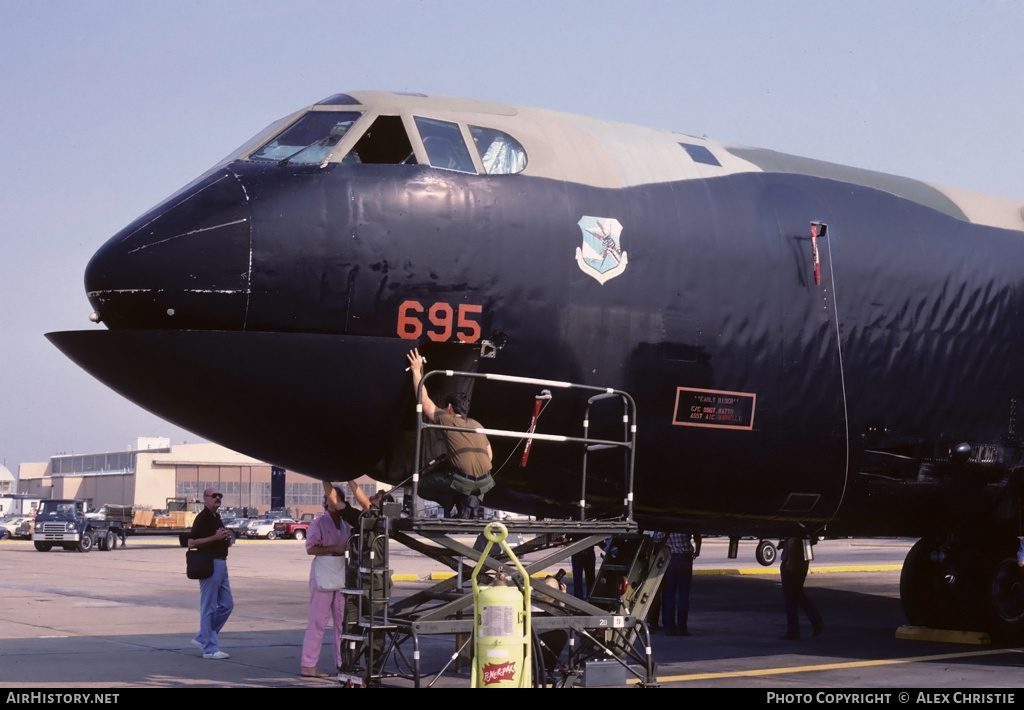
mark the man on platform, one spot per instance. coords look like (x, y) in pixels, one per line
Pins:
(469, 453)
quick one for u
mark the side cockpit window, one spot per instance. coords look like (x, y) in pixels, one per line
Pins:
(444, 145)
(500, 153)
(385, 142)
(309, 139)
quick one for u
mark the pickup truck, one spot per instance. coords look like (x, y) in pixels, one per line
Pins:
(63, 523)
(293, 529)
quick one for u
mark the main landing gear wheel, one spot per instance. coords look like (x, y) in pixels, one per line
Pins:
(1004, 594)
(766, 553)
(971, 585)
(937, 588)
(919, 577)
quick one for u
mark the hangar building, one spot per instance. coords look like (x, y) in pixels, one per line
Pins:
(152, 472)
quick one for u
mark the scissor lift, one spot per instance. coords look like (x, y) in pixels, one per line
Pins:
(606, 636)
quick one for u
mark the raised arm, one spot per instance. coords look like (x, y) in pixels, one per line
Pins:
(361, 500)
(416, 367)
(333, 499)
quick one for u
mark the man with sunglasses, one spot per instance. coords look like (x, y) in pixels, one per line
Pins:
(215, 603)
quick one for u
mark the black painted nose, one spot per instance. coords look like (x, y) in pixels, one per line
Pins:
(185, 264)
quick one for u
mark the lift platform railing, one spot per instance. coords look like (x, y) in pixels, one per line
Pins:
(613, 631)
(588, 444)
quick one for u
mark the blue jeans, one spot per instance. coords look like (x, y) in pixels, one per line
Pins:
(675, 606)
(795, 599)
(215, 605)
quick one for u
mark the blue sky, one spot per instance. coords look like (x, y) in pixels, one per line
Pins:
(108, 107)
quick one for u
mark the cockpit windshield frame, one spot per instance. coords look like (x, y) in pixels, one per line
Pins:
(470, 141)
(311, 139)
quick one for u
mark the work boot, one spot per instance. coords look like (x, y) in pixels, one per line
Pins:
(468, 507)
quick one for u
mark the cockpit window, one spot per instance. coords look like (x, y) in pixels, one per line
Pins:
(444, 145)
(700, 154)
(309, 139)
(384, 142)
(500, 153)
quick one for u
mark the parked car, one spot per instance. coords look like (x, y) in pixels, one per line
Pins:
(264, 527)
(11, 525)
(24, 531)
(237, 526)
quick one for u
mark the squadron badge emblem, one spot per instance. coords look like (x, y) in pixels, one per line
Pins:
(601, 255)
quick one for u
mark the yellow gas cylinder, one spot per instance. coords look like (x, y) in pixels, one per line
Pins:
(501, 627)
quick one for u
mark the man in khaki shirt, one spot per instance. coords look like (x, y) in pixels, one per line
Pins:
(469, 453)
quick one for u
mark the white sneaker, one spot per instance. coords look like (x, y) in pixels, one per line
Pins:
(219, 655)
(195, 643)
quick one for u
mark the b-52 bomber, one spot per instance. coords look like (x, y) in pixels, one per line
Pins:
(813, 349)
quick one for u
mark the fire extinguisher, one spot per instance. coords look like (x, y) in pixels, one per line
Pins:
(501, 624)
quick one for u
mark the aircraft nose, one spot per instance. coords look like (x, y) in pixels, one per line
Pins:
(184, 264)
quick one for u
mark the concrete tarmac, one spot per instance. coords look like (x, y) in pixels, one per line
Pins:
(123, 619)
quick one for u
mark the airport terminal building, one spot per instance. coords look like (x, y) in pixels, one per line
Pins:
(152, 472)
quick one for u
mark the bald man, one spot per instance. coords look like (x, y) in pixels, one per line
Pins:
(215, 603)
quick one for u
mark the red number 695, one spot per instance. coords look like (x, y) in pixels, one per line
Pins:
(443, 318)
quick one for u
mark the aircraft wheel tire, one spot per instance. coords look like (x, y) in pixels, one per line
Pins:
(1004, 596)
(85, 544)
(300, 535)
(766, 553)
(43, 546)
(969, 587)
(918, 581)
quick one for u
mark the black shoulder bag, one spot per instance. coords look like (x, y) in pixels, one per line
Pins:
(198, 564)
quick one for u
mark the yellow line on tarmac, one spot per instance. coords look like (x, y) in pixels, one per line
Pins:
(746, 570)
(831, 666)
(813, 570)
